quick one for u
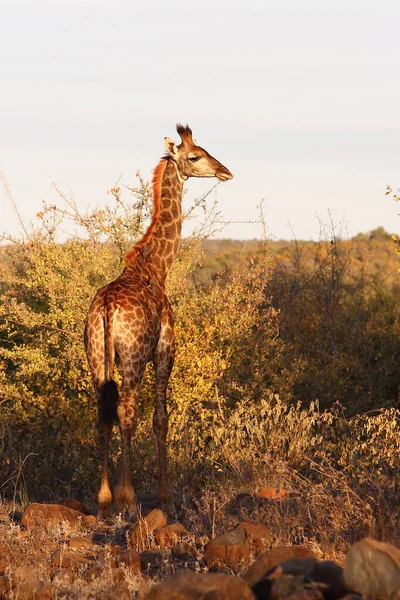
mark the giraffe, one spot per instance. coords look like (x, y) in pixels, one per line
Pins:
(132, 318)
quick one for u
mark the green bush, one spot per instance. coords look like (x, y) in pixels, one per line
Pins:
(340, 326)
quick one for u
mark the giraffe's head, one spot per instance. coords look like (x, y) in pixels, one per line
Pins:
(192, 160)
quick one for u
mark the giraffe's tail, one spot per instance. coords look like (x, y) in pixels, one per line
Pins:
(109, 395)
(108, 402)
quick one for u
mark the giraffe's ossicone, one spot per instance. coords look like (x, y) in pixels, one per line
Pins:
(131, 317)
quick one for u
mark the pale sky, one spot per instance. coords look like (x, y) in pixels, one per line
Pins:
(299, 99)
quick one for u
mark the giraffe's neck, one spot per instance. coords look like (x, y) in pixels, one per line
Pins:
(160, 242)
(166, 234)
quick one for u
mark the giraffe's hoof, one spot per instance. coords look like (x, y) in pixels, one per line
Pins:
(104, 499)
(125, 501)
(103, 510)
(102, 514)
(128, 514)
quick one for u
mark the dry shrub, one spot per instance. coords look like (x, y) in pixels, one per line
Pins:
(343, 475)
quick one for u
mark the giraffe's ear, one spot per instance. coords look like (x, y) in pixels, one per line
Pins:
(171, 147)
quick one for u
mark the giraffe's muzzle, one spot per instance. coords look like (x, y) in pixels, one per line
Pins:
(224, 175)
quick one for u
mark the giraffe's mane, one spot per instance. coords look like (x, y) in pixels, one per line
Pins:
(134, 252)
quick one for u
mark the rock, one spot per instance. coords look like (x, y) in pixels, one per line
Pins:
(205, 586)
(296, 574)
(156, 519)
(225, 594)
(184, 551)
(79, 542)
(238, 547)
(70, 560)
(24, 582)
(127, 558)
(75, 505)
(4, 516)
(39, 515)
(271, 558)
(118, 574)
(61, 559)
(92, 573)
(99, 538)
(15, 516)
(373, 568)
(273, 494)
(63, 577)
(168, 536)
(11, 506)
(307, 592)
(24, 575)
(295, 587)
(151, 562)
(3, 562)
(45, 591)
(120, 590)
(5, 586)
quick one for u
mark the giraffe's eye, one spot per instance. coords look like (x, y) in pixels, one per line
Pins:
(194, 159)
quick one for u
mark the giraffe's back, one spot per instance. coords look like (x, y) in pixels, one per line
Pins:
(132, 307)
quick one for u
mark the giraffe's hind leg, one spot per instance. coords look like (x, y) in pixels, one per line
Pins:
(163, 362)
(124, 493)
(107, 396)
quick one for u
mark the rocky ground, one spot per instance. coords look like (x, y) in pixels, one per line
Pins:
(61, 551)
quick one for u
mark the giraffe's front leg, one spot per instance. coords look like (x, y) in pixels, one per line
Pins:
(124, 494)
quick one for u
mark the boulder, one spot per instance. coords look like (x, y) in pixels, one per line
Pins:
(120, 590)
(184, 551)
(118, 574)
(272, 493)
(151, 562)
(373, 569)
(3, 561)
(187, 585)
(127, 558)
(271, 558)
(78, 542)
(168, 536)
(296, 575)
(70, 560)
(39, 515)
(25, 575)
(4, 517)
(75, 505)
(92, 573)
(5, 586)
(156, 519)
(63, 577)
(238, 547)
(45, 591)
(24, 582)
